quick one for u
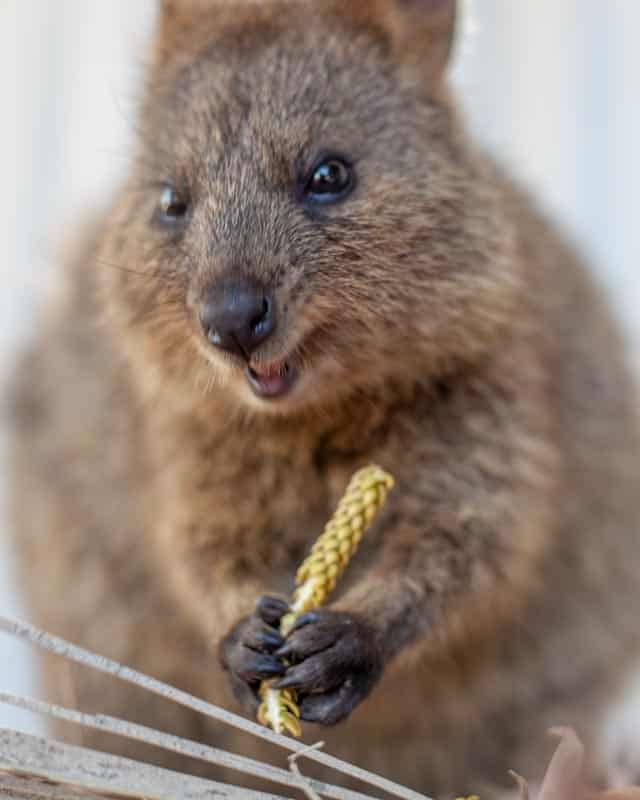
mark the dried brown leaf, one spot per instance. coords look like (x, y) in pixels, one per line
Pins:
(563, 780)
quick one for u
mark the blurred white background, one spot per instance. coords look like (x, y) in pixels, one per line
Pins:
(552, 87)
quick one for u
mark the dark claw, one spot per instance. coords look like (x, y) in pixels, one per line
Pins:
(292, 680)
(310, 618)
(262, 667)
(270, 609)
(317, 674)
(268, 641)
(286, 650)
(310, 640)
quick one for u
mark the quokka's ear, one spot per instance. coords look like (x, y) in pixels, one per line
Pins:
(174, 18)
(422, 31)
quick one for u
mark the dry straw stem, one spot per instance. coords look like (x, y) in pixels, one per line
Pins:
(32, 767)
(318, 574)
(79, 655)
(293, 765)
(184, 747)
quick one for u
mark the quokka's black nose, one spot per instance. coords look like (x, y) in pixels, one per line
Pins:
(238, 319)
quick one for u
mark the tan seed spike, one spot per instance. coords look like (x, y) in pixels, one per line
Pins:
(318, 574)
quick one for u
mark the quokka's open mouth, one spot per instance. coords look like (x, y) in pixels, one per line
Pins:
(273, 380)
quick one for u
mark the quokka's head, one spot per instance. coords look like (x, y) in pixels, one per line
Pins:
(305, 219)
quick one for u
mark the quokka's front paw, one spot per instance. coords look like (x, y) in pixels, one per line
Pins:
(335, 662)
(247, 652)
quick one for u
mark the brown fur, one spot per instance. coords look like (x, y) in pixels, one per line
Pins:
(443, 330)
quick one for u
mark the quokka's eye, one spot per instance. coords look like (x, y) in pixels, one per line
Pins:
(172, 206)
(331, 179)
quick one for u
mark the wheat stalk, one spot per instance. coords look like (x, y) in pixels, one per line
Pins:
(318, 574)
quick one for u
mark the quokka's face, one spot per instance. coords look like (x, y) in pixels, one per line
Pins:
(302, 221)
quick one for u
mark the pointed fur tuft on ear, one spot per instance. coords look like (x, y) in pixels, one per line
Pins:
(425, 31)
(422, 31)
